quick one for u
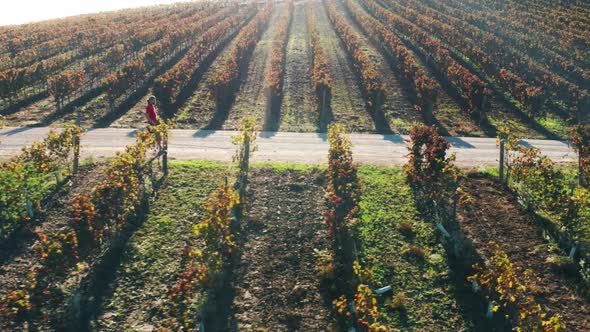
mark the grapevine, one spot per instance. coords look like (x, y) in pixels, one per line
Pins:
(321, 81)
(372, 85)
(510, 287)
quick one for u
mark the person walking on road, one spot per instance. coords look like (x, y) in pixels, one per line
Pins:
(151, 112)
(151, 115)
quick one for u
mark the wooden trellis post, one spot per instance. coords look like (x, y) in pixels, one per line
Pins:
(501, 172)
(165, 154)
(76, 149)
(244, 167)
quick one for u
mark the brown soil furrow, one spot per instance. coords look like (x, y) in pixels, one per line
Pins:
(296, 109)
(276, 285)
(348, 106)
(495, 215)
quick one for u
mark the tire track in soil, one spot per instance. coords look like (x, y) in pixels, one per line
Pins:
(13, 271)
(348, 105)
(397, 107)
(296, 109)
(251, 99)
(275, 282)
(495, 215)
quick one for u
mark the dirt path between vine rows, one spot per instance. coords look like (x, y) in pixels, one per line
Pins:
(90, 106)
(275, 282)
(199, 110)
(297, 113)
(33, 114)
(495, 215)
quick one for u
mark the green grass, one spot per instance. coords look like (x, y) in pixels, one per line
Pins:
(45, 103)
(398, 125)
(286, 166)
(151, 260)
(350, 113)
(16, 191)
(504, 119)
(386, 202)
(555, 124)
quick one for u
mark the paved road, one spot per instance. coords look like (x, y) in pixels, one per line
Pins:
(308, 148)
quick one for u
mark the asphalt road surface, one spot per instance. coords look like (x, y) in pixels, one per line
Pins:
(307, 148)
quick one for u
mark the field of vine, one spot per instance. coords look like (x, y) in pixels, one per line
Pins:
(143, 243)
(140, 241)
(467, 67)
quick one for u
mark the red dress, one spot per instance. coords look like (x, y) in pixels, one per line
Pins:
(152, 114)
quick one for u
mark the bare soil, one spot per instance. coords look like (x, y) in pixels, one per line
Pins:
(297, 109)
(31, 115)
(275, 282)
(495, 215)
